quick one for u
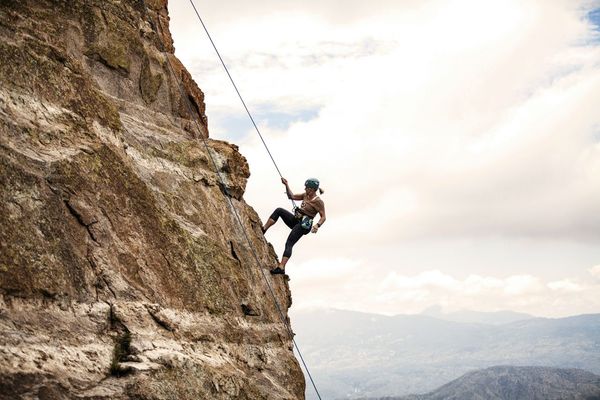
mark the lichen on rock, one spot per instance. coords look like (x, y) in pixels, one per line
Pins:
(149, 83)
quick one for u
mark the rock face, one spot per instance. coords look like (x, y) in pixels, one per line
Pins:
(123, 272)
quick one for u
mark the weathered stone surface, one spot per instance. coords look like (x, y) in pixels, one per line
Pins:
(123, 272)
(149, 82)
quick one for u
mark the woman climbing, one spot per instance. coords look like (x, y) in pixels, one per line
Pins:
(301, 222)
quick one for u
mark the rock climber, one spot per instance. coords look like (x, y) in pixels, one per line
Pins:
(301, 222)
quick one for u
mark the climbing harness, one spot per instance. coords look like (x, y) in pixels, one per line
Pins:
(234, 211)
(306, 222)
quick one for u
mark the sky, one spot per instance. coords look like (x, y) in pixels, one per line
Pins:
(458, 143)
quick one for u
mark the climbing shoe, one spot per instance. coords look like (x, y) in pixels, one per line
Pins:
(277, 271)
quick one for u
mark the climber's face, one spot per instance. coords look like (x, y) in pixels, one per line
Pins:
(309, 191)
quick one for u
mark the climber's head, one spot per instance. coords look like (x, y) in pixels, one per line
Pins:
(312, 183)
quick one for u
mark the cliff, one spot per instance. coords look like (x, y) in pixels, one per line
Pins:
(123, 272)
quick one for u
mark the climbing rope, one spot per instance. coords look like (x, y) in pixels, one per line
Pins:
(230, 201)
(238, 92)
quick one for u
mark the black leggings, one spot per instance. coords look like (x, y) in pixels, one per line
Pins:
(294, 224)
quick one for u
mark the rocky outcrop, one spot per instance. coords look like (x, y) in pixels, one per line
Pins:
(123, 272)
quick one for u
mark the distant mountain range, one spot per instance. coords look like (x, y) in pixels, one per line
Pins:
(516, 383)
(475, 317)
(353, 355)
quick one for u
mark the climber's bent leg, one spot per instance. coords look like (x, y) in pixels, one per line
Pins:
(287, 217)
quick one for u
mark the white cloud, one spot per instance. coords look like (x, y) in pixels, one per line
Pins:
(566, 285)
(595, 271)
(521, 285)
(397, 293)
(428, 279)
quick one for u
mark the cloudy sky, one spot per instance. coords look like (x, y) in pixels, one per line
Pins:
(458, 142)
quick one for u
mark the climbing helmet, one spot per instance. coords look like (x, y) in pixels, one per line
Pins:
(312, 183)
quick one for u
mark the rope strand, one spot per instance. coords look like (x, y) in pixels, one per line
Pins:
(237, 91)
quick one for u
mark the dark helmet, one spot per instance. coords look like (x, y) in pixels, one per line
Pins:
(312, 183)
